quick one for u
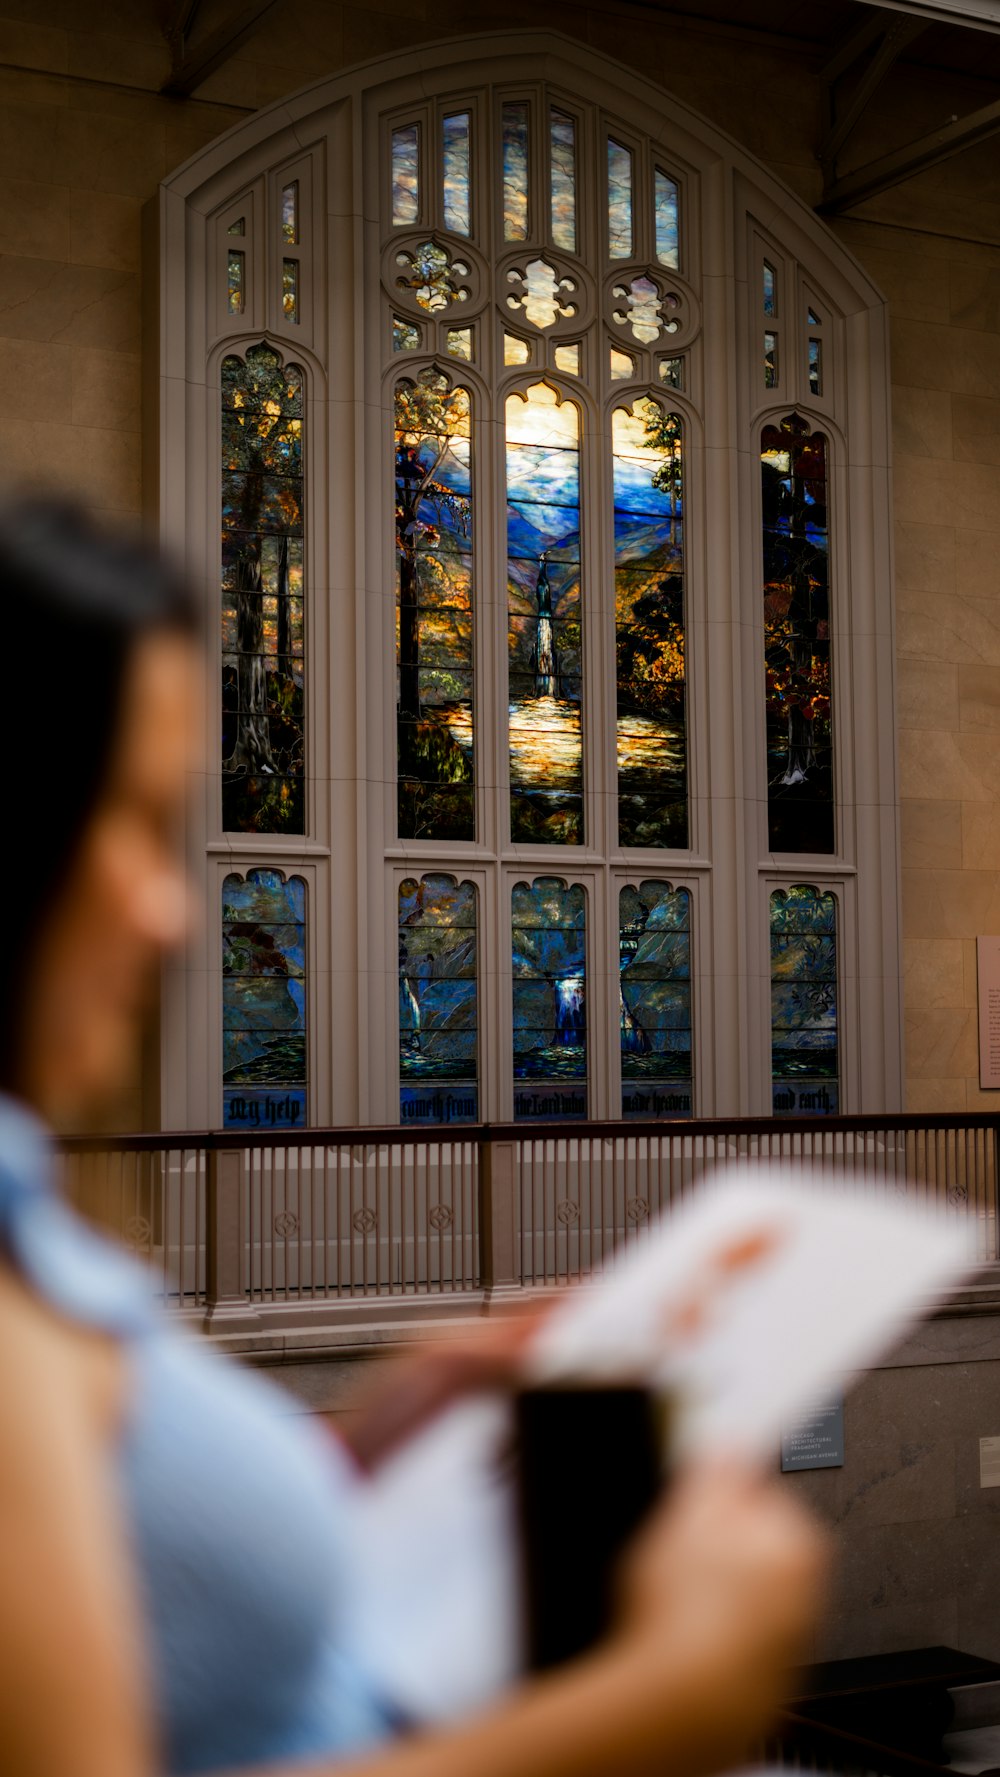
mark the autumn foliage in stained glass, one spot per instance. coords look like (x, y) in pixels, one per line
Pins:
(438, 1001)
(263, 1001)
(654, 950)
(263, 742)
(804, 1047)
(549, 955)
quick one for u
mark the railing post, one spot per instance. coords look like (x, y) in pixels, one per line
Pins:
(499, 1254)
(225, 1242)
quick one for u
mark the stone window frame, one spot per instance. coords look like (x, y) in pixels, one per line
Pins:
(331, 138)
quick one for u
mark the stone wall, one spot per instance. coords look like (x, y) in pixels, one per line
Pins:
(85, 138)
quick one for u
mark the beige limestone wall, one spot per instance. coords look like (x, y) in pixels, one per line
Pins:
(85, 138)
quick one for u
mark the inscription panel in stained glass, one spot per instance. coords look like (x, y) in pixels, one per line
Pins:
(263, 733)
(549, 953)
(263, 1001)
(654, 948)
(804, 1035)
(438, 1001)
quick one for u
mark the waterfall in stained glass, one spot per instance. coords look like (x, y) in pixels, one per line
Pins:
(800, 805)
(549, 955)
(263, 726)
(665, 200)
(515, 172)
(620, 228)
(654, 955)
(543, 604)
(434, 610)
(406, 174)
(438, 1001)
(649, 625)
(263, 1001)
(804, 1038)
(457, 173)
(562, 148)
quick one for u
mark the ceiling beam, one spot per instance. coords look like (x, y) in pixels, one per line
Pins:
(852, 46)
(977, 15)
(899, 31)
(201, 61)
(904, 163)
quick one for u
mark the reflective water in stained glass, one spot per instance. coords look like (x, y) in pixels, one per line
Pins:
(549, 954)
(770, 291)
(815, 367)
(562, 146)
(460, 342)
(406, 174)
(290, 213)
(568, 358)
(457, 172)
(434, 610)
(515, 351)
(263, 734)
(797, 638)
(236, 284)
(665, 200)
(770, 360)
(804, 1047)
(654, 950)
(290, 290)
(622, 366)
(543, 603)
(671, 372)
(405, 337)
(619, 201)
(649, 626)
(515, 172)
(438, 1001)
(263, 1001)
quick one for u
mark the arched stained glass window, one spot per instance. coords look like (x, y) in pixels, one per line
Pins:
(654, 984)
(549, 948)
(438, 1001)
(805, 1069)
(263, 1001)
(263, 733)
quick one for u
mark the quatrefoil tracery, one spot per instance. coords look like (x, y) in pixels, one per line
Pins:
(432, 277)
(544, 296)
(645, 308)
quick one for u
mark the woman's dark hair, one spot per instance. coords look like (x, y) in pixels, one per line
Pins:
(75, 600)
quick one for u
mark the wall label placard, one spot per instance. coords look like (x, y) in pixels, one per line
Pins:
(817, 1439)
(988, 968)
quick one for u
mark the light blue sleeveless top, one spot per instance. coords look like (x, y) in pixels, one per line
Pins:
(239, 1513)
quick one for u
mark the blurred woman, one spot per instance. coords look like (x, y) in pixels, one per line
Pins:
(171, 1542)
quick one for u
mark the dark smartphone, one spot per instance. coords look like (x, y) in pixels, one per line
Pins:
(590, 1463)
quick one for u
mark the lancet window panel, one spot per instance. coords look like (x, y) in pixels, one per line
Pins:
(805, 1063)
(549, 962)
(264, 1001)
(438, 1000)
(263, 640)
(654, 950)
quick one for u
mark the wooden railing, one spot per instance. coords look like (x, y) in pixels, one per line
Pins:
(332, 1220)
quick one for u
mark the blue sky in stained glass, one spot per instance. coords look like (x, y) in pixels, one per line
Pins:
(619, 201)
(563, 176)
(665, 197)
(406, 174)
(457, 173)
(515, 172)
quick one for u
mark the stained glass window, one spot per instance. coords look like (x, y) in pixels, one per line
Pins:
(649, 625)
(797, 638)
(515, 351)
(236, 286)
(263, 734)
(237, 227)
(804, 1064)
(457, 173)
(405, 337)
(434, 609)
(812, 318)
(671, 372)
(568, 358)
(815, 367)
(290, 290)
(654, 950)
(549, 949)
(543, 603)
(665, 200)
(263, 1001)
(562, 143)
(619, 201)
(770, 360)
(770, 291)
(438, 1001)
(622, 366)
(460, 342)
(515, 172)
(406, 174)
(290, 213)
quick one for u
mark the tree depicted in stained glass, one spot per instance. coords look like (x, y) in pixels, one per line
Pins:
(434, 610)
(263, 1001)
(804, 1063)
(543, 604)
(549, 950)
(800, 805)
(263, 735)
(649, 625)
(654, 948)
(438, 1001)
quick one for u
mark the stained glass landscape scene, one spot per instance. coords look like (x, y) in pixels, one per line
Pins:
(438, 1001)
(804, 1061)
(654, 939)
(800, 805)
(543, 603)
(549, 948)
(434, 610)
(263, 736)
(649, 626)
(263, 1001)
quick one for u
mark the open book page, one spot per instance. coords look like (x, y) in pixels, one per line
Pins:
(758, 1295)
